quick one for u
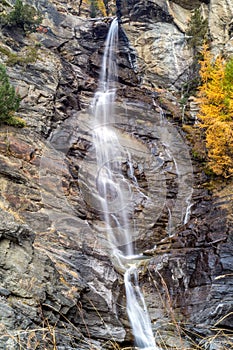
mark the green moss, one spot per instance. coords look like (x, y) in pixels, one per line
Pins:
(15, 121)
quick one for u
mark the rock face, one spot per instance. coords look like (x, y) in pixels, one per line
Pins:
(194, 268)
(190, 6)
(221, 34)
(159, 41)
(59, 285)
(164, 58)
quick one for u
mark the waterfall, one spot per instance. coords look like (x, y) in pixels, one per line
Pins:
(115, 191)
(111, 184)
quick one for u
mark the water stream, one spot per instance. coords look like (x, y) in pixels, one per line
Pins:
(115, 191)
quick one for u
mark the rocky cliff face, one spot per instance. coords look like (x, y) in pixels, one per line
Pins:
(59, 287)
(156, 30)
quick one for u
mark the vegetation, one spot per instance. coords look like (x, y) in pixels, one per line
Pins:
(213, 79)
(197, 31)
(196, 35)
(215, 99)
(97, 6)
(22, 16)
(23, 58)
(9, 101)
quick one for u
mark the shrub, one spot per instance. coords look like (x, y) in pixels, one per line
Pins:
(22, 16)
(9, 100)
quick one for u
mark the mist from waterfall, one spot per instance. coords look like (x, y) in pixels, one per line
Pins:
(115, 191)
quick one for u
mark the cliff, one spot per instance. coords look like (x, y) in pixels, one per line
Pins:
(59, 287)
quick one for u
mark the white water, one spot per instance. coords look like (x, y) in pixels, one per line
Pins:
(115, 192)
(137, 311)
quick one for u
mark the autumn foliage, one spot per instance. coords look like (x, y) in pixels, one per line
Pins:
(215, 98)
(97, 6)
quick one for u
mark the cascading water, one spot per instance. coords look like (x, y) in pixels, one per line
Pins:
(115, 192)
(111, 184)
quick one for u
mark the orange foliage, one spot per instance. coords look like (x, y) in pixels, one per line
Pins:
(215, 100)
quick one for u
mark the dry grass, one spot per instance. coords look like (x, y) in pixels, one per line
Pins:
(187, 339)
(47, 335)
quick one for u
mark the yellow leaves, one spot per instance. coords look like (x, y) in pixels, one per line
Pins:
(212, 88)
(206, 66)
(229, 101)
(101, 7)
(207, 113)
(219, 141)
(215, 98)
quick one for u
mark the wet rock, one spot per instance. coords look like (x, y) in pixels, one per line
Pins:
(151, 11)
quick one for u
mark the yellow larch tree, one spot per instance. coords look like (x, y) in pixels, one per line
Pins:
(215, 98)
